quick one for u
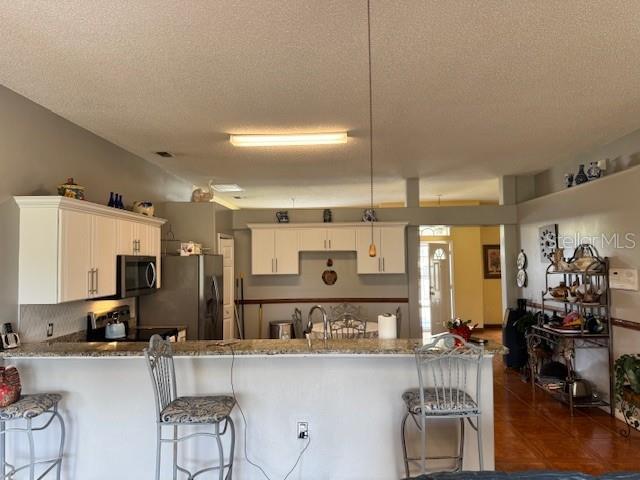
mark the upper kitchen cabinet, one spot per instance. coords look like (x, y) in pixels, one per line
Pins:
(390, 245)
(67, 248)
(336, 239)
(275, 248)
(274, 251)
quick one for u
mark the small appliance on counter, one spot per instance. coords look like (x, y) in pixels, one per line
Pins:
(10, 339)
(281, 330)
(113, 325)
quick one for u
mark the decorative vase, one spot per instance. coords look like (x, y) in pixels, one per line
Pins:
(581, 177)
(327, 216)
(282, 216)
(594, 171)
(568, 179)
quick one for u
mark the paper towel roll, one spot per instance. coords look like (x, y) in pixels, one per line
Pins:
(387, 326)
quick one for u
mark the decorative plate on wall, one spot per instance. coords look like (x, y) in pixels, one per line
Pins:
(548, 239)
(521, 278)
(522, 260)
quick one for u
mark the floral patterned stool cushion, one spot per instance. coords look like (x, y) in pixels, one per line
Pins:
(436, 404)
(30, 406)
(211, 409)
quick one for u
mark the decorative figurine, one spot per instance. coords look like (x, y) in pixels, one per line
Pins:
(327, 216)
(568, 179)
(282, 216)
(581, 177)
(369, 215)
(594, 171)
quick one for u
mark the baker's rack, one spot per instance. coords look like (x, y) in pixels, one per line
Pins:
(565, 342)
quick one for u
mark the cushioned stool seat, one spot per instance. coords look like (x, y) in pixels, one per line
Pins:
(462, 403)
(209, 409)
(30, 406)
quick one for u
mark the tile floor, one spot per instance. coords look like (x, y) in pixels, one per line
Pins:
(534, 431)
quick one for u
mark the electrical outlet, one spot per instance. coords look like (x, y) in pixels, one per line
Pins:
(303, 430)
(50, 330)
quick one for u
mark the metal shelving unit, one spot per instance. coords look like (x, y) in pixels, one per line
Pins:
(565, 342)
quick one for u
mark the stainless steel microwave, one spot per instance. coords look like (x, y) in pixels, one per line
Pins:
(137, 275)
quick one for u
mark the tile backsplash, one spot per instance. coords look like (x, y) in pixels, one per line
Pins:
(66, 317)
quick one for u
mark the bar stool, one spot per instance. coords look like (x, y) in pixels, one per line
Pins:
(448, 362)
(174, 411)
(28, 408)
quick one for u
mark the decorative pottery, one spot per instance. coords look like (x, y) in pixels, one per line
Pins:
(369, 215)
(586, 258)
(558, 261)
(559, 292)
(581, 177)
(587, 293)
(594, 324)
(144, 208)
(594, 171)
(568, 179)
(327, 216)
(71, 190)
(282, 216)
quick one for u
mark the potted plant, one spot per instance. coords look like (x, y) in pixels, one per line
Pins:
(627, 387)
(460, 327)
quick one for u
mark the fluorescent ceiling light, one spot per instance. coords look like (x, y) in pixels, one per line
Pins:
(287, 140)
(227, 187)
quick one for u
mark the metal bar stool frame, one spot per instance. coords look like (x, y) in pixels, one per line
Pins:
(437, 361)
(159, 356)
(28, 430)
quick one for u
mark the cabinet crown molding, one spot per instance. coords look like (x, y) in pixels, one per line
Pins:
(256, 226)
(64, 203)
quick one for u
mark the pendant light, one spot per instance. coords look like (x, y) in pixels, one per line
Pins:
(372, 247)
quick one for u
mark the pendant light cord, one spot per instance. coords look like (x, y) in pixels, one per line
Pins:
(370, 114)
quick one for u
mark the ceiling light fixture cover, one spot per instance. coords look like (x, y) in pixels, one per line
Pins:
(227, 187)
(282, 140)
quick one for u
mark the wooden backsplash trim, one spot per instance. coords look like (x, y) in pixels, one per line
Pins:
(618, 322)
(273, 301)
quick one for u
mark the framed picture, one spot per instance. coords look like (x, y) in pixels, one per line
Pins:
(491, 261)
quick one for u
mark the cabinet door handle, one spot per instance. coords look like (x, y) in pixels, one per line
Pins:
(379, 264)
(95, 286)
(329, 244)
(325, 243)
(272, 269)
(383, 269)
(276, 265)
(90, 282)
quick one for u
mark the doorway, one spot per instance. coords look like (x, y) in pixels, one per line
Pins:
(226, 249)
(436, 279)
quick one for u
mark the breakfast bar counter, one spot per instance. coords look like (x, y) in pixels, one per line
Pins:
(214, 348)
(349, 391)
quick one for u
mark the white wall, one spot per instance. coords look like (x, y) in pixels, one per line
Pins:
(38, 151)
(606, 206)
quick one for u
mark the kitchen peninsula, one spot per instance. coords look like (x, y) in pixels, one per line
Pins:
(348, 390)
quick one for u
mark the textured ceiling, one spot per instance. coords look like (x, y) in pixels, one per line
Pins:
(463, 90)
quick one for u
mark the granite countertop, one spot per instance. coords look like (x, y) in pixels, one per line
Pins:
(215, 348)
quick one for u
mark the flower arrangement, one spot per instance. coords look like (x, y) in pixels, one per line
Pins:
(460, 327)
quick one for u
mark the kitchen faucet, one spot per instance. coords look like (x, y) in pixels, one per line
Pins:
(325, 320)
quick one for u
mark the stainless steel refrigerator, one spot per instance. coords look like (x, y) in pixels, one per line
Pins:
(190, 295)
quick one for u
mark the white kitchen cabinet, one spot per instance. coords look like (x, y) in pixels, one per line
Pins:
(274, 251)
(286, 252)
(76, 274)
(341, 239)
(390, 246)
(337, 239)
(67, 248)
(135, 238)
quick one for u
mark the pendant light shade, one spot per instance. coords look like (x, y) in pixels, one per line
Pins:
(372, 247)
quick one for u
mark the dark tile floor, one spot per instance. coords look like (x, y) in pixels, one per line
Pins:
(534, 431)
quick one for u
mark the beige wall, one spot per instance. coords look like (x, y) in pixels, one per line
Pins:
(476, 298)
(39, 150)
